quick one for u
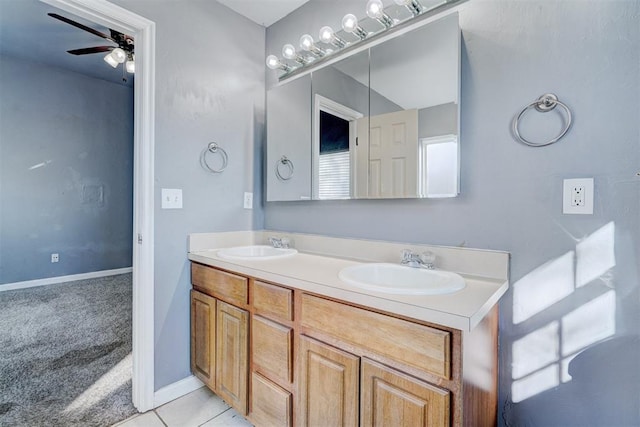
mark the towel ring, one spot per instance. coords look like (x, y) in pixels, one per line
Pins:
(215, 149)
(545, 103)
(289, 171)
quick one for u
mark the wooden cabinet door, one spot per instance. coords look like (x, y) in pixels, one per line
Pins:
(232, 345)
(270, 404)
(391, 398)
(203, 346)
(328, 385)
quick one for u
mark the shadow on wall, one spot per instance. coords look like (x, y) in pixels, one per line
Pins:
(566, 357)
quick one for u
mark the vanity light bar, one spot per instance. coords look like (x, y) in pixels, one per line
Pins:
(310, 52)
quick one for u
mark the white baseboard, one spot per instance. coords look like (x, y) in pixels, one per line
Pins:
(176, 390)
(63, 279)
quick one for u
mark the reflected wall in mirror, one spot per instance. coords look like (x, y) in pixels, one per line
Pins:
(413, 149)
(340, 102)
(288, 168)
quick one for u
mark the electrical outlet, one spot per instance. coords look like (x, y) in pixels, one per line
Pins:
(578, 196)
(248, 200)
(55, 258)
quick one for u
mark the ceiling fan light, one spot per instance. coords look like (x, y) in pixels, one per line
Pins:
(131, 66)
(119, 55)
(109, 59)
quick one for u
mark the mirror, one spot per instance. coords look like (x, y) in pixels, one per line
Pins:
(288, 166)
(381, 123)
(413, 140)
(340, 106)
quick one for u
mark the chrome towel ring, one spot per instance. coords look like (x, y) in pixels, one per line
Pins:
(545, 103)
(288, 173)
(214, 149)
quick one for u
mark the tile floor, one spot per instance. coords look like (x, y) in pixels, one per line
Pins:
(200, 408)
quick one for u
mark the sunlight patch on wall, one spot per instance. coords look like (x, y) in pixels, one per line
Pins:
(543, 287)
(542, 380)
(595, 255)
(536, 350)
(40, 165)
(590, 323)
(540, 359)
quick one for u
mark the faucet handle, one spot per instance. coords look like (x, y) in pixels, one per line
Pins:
(407, 254)
(275, 242)
(428, 259)
(285, 242)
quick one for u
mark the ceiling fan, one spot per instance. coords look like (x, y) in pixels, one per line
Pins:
(123, 52)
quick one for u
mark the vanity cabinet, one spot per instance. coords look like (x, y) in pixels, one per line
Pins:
(220, 333)
(286, 357)
(336, 377)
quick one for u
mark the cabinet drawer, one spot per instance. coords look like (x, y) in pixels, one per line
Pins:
(226, 286)
(270, 404)
(273, 301)
(272, 349)
(406, 342)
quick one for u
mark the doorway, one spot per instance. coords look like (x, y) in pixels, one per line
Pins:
(143, 31)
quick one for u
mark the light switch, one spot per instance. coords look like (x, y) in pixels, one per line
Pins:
(171, 198)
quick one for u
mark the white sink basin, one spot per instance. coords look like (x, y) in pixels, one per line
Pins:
(401, 280)
(255, 252)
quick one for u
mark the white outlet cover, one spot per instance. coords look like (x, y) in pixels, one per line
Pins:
(171, 198)
(248, 200)
(567, 191)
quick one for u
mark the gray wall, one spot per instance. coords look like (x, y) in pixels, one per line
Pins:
(574, 279)
(64, 138)
(438, 120)
(289, 130)
(209, 87)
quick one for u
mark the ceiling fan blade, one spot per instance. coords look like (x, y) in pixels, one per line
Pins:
(78, 25)
(88, 50)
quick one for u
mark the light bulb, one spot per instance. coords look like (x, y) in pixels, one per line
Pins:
(130, 66)
(273, 62)
(375, 9)
(119, 55)
(109, 59)
(413, 5)
(288, 51)
(326, 34)
(306, 42)
(349, 23)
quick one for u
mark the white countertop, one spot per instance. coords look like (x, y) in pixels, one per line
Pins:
(319, 274)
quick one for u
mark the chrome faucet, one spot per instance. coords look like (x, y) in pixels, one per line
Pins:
(279, 242)
(423, 260)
